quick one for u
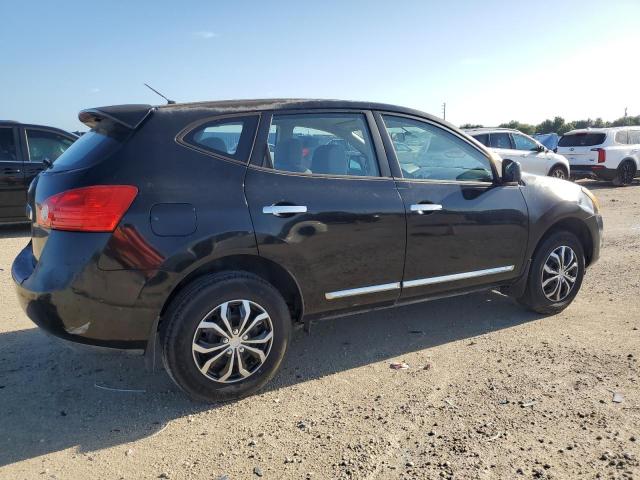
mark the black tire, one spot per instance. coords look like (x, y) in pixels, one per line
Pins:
(534, 297)
(559, 172)
(191, 306)
(625, 174)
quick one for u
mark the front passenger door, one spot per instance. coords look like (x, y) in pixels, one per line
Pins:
(464, 229)
(532, 159)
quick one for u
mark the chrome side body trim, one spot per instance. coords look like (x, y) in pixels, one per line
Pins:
(417, 283)
(362, 291)
(456, 276)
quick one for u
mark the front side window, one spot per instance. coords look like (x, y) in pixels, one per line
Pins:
(7, 145)
(500, 140)
(622, 137)
(323, 144)
(228, 137)
(524, 143)
(44, 145)
(434, 153)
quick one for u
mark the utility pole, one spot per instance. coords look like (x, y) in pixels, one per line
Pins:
(444, 111)
(625, 116)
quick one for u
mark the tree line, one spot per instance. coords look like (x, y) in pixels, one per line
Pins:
(560, 126)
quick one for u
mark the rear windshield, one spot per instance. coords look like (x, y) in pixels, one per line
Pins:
(90, 148)
(582, 139)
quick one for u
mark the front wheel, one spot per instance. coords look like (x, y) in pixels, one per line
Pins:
(556, 274)
(559, 172)
(225, 335)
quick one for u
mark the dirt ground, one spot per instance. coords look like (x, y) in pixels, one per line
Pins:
(492, 392)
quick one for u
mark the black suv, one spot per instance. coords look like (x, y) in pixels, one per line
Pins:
(25, 150)
(203, 232)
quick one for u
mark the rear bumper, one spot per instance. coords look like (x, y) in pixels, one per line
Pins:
(593, 171)
(78, 302)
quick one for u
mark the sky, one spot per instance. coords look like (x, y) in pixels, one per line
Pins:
(490, 61)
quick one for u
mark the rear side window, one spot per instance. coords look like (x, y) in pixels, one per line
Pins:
(44, 145)
(7, 145)
(500, 140)
(582, 139)
(483, 139)
(228, 137)
(622, 137)
(634, 137)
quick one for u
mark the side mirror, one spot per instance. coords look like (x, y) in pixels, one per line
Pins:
(511, 172)
(541, 148)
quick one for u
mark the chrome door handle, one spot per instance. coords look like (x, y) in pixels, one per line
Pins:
(284, 209)
(425, 207)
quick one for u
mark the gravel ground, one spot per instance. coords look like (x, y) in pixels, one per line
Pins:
(492, 392)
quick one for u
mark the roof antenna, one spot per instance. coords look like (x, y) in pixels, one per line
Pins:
(169, 102)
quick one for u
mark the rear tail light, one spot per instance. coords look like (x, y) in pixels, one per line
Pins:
(602, 154)
(97, 208)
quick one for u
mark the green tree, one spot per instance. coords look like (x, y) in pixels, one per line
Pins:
(523, 127)
(470, 125)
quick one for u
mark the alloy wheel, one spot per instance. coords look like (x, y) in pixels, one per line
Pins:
(558, 173)
(559, 273)
(232, 341)
(626, 173)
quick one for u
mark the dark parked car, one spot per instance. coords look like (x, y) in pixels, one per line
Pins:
(175, 229)
(25, 150)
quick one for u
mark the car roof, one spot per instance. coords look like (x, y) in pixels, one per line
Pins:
(489, 130)
(228, 106)
(13, 123)
(602, 129)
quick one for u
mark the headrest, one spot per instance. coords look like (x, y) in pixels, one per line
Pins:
(330, 159)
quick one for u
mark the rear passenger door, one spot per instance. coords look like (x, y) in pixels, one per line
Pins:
(13, 197)
(502, 144)
(325, 207)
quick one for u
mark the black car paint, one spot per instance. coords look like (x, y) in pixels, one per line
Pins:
(16, 176)
(111, 289)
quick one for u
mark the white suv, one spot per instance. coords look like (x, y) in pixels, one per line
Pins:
(604, 153)
(531, 154)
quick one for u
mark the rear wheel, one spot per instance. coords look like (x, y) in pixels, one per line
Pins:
(556, 274)
(625, 174)
(225, 336)
(559, 172)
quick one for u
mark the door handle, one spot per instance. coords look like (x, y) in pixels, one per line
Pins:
(278, 210)
(425, 207)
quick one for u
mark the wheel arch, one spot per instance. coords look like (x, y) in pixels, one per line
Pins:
(575, 226)
(636, 162)
(266, 269)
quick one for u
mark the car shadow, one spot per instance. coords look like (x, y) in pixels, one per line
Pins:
(54, 398)
(18, 230)
(603, 184)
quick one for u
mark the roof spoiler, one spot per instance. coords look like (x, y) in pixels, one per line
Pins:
(128, 116)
